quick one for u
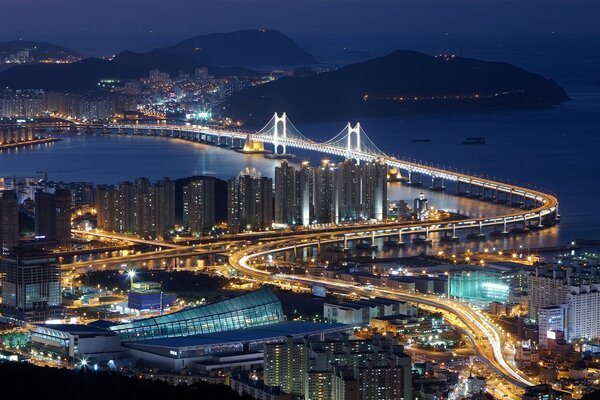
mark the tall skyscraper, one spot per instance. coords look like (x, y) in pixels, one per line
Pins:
(199, 205)
(305, 182)
(53, 216)
(125, 215)
(9, 220)
(348, 185)
(249, 201)
(144, 207)
(374, 190)
(325, 199)
(164, 198)
(30, 287)
(285, 194)
(106, 208)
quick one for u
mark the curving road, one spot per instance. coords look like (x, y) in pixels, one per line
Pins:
(488, 338)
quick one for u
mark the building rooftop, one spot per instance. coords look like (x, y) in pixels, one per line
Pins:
(261, 333)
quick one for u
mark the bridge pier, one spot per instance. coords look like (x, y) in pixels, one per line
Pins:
(448, 238)
(479, 235)
(421, 240)
(394, 243)
(414, 178)
(437, 184)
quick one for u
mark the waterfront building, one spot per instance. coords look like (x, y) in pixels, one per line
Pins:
(105, 199)
(140, 208)
(348, 191)
(164, 199)
(374, 190)
(305, 183)
(285, 194)
(420, 208)
(53, 216)
(199, 205)
(325, 198)
(9, 220)
(249, 202)
(125, 213)
(31, 288)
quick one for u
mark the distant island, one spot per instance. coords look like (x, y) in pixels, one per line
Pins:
(402, 82)
(256, 47)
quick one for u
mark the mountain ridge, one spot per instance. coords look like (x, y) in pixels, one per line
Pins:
(249, 47)
(401, 82)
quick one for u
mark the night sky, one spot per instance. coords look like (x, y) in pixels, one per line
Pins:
(96, 27)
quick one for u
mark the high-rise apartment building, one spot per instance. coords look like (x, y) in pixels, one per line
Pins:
(340, 369)
(305, 183)
(583, 309)
(9, 220)
(249, 201)
(140, 207)
(164, 203)
(106, 207)
(199, 205)
(545, 290)
(348, 188)
(374, 190)
(53, 216)
(283, 365)
(285, 194)
(325, 198)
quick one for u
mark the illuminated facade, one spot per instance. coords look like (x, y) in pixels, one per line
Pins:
(478, 286)
(254, 309)
(31, 287)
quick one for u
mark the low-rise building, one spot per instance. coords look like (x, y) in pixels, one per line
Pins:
(75, 344)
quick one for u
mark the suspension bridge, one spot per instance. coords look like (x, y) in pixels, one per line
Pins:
(536, 208)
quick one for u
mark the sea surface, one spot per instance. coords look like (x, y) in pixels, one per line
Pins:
(557, 150)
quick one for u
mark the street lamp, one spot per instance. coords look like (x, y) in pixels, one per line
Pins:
(131, 274)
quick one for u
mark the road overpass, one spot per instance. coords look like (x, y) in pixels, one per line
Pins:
(487, 337)
(537, 210)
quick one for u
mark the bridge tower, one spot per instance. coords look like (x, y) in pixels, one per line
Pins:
(279, 133)
(353, 131)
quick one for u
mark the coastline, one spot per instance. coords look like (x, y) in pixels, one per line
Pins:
(28, 143)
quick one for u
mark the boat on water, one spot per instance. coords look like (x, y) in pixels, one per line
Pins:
(417, 140)
(474, 140)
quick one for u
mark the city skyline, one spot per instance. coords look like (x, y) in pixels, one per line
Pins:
(283, 200)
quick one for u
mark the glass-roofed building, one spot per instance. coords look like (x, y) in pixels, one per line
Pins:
(258, 308)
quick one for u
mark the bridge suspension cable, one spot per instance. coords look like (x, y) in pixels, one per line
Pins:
(281, 128)
(354, 139)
